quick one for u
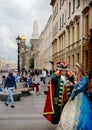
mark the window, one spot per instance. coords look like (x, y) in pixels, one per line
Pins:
(69, 9)
(55, 29)
(86, 25)
(73, 60)
(68, 37)
(77, 57)
(78, 2)
(65, 17)
(60, 4)
(62, 20)
(57, 9)
(72, 34)
(64, 41)
(78, 31)
(86, 60)
(69, 59)
(73, 6)
(60, 43)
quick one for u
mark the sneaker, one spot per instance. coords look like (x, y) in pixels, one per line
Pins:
(6, 104)
(12, 106)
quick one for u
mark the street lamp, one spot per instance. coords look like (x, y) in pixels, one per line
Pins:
(23, 53)
(18, 39)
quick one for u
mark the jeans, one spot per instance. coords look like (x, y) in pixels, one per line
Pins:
(44, 80)
(10, 96)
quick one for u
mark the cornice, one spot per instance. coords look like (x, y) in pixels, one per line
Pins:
(52, 2)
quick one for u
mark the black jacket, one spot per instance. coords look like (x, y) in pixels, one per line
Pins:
(10, 81)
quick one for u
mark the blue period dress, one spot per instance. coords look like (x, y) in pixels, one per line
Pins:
(77, 113)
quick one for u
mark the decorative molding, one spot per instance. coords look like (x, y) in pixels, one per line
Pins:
(67, 26)
(85, 9)
(76, 17)
(71, 22)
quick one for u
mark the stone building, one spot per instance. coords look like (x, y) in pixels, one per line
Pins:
(45, 46)
(2, 64)
(72, 32)
(22, 53)
(34, 44)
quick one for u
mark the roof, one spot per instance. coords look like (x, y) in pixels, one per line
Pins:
(28, 45)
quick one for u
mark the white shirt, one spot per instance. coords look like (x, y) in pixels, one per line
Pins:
(43, 73)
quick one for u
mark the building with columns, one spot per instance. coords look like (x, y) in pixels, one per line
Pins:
(5, 64)
(72, 32)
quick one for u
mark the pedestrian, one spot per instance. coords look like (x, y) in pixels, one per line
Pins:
(30, 81)
(10, 84)
(59, 91)
(44, 76)
(36, 86)
(17, 78)
(77, 113)
(3, 83)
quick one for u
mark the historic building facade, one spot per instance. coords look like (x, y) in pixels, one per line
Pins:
(72, 32)
(45, 46)
(22, 51)
(2, 64)
(34, 44)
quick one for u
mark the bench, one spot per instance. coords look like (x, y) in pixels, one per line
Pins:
(16, 96)
(25, 91)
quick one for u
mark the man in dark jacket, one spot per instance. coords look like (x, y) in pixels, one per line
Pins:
(10, 84)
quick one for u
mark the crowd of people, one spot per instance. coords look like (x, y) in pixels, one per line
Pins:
(69, 97)
(9, 83)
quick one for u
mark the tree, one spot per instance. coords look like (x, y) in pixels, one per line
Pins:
(31, 62)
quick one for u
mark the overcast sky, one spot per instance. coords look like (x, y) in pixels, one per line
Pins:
(16, 18)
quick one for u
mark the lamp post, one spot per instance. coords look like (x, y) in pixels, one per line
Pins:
(23, 53)
(18, 39)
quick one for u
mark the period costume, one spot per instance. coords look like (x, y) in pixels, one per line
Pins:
(77, 113)
(58, 94)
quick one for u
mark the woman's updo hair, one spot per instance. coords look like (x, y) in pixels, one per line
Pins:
(81, 69)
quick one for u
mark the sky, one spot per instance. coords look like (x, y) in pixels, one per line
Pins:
(16, 18)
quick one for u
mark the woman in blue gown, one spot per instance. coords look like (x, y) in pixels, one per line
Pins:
(77, 113)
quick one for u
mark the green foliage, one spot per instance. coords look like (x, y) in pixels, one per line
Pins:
(31, 62)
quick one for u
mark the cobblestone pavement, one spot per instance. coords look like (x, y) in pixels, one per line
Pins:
(27, 114)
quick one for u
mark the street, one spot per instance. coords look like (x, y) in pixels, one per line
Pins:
(27, 114)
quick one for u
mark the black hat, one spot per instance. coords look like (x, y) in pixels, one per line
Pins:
(63, 65)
